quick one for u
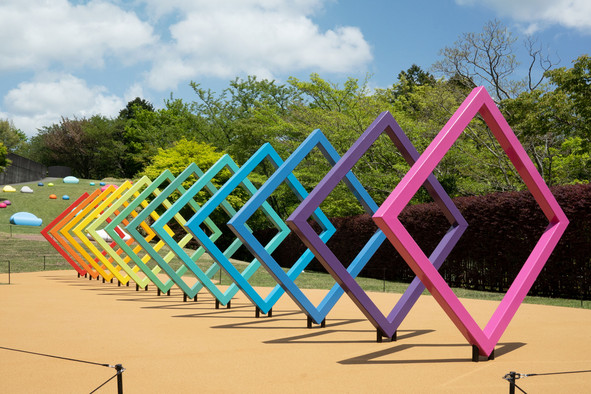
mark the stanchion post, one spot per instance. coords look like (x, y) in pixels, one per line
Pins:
(119, 369)
(8, 271)
(43, 262)
(511, 382)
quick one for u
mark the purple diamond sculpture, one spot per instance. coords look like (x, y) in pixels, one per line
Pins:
(298, 222)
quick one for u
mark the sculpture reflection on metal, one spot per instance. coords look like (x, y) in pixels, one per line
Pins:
(483, 341)
(298, 221)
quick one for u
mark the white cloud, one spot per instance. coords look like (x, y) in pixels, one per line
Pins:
(33, 105)
(265, 37)
(54, 40)
(575, 14)
(36, 34)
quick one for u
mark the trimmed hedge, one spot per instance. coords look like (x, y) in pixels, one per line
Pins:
(503, 229)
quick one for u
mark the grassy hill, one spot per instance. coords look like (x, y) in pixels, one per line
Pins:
(39, 203)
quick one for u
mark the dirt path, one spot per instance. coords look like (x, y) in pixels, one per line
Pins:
(170, 346)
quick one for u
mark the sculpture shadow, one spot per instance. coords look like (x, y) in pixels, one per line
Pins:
(374, 357)
(311, 337)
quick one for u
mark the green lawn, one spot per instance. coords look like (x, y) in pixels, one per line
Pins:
(39, 203)
(29, 256)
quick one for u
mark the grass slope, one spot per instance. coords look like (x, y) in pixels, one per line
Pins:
(39, 203)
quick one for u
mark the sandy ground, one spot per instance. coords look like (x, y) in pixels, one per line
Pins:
(169, 346)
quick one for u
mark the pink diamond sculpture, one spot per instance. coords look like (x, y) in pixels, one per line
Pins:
(386, 217)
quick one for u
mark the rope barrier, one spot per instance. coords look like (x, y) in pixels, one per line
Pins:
(119, 372)
(118, 367)
(59, 357)
(511, 377)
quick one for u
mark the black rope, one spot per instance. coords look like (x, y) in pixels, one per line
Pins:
(59, 357)
(108, 380)
(520, 389)
(555, 373)
(512, 377)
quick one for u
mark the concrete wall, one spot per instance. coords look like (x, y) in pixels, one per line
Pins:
(22, 170)
(58, 171)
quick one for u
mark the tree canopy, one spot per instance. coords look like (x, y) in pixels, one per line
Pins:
(549, 109)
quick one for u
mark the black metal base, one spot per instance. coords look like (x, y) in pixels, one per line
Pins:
(103, 280)
(310, 322)
(380, 336)
(127, 284)
(257, 312)
(186, 297)
(146, 288)
(476, 354)
(168, 292)
(118, 283)
(228, 305)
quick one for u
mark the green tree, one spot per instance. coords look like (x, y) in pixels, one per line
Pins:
(554, 122)
(149, 130)
(129, 112)
(90, 146)
(410, 79)
(179, 156)
(12, 138)
(4, 162)
(238, 119)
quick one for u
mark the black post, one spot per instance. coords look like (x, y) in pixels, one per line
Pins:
(475, 353)
(8, 271)
(511, 382)
(119, 369)
(43, 262)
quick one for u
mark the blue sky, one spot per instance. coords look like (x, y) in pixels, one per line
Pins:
(80, 58)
